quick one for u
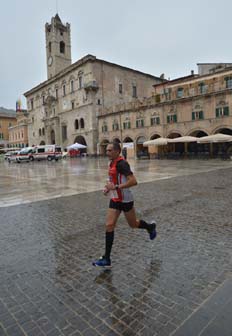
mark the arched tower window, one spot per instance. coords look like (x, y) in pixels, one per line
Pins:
(62, 47)
(82, 123)
(76, 124)
(50, 47)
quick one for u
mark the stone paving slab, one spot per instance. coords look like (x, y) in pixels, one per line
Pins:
(213, 318)
(48, 286)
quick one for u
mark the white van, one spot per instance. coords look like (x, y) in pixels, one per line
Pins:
(46, 152)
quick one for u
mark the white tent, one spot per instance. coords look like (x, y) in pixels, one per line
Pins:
(156, 142)
(76, 145)
(218, 137)
(183, 139)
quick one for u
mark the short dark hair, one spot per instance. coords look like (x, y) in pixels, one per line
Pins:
(116, 146)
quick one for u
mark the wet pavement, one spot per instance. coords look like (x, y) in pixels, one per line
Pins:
(36, 181)
(164, 287)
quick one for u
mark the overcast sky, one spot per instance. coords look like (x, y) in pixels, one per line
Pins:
(152, 36)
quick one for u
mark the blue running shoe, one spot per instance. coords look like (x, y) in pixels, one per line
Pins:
(152, 230)
(102, 262)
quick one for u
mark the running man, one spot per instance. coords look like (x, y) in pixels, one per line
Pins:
(121, 178)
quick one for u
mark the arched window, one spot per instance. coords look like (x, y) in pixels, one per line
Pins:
(43, 131)
(82, 123)
(76, 124)
(62, 47)
(40, 132)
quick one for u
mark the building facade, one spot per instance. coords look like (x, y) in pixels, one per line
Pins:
(65, 108)
(196, 105)
(18, 133)
(7, 119)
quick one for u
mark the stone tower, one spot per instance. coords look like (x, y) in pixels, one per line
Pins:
(58, 46)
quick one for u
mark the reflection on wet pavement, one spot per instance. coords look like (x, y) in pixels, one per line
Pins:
(48, 284)
(36, 181)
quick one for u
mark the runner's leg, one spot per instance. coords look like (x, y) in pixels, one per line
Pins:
(111, 220)
(140, 224)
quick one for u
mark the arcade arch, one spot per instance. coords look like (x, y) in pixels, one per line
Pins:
(53, 137)
(141, 151)
(102, 147)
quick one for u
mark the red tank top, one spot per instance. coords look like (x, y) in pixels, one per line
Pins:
(115, 177)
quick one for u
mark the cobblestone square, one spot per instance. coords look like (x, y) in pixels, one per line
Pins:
(49, 287)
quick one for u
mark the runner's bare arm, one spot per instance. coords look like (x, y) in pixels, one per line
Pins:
(131, 182)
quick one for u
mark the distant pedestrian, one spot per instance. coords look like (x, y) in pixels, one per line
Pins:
(124, 152)
(121, 178)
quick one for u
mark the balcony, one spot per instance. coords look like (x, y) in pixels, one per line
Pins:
(91, 86)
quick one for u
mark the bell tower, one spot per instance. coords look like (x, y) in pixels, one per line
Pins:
(58, 46)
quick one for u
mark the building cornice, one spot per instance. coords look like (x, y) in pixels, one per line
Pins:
(82, 61)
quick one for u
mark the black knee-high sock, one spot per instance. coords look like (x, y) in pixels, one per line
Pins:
(144, 225)
(109, 243)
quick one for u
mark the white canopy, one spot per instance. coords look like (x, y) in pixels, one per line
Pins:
(76, 145)
(165, 141)
(156, 142)
(183, 139)
(215, 138)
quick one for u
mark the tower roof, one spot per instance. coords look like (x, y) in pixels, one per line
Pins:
(57, 18)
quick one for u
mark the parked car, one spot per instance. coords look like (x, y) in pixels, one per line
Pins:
(12, 156)
(25, 154)
(46, 152)
(9, 153)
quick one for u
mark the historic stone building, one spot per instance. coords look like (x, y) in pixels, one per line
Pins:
(18, 133)
(195, 105)
(65, 108)
(7, 119)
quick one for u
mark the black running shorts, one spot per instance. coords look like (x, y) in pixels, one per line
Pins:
(121, 206)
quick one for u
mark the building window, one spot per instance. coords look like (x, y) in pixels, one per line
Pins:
(180, 93)
(155, 121)
(62, 47)
(80, 82)
(71, 86)
(40, 132)
(139, 123)
(198, 115)
(167, 93)
(104, 128)
(115, 126)
(64, 132)
(126, 124)
(56, 93)
(76, 124)
(222, 111)
(50, 47)
(43, 100)
(172, 118)
(82, 123)
(134, 91)
(73, 105)
(43, 131)
(99, 101)
(228, 81)
(202, 88)
(120, 88)
(32, 103)
(64, 90)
